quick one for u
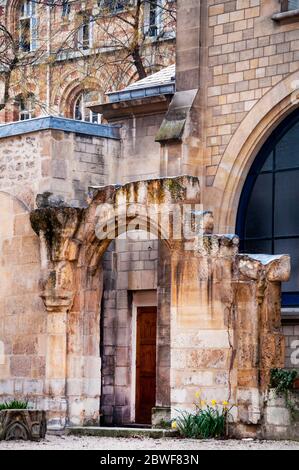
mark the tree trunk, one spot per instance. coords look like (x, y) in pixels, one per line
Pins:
(139, 64)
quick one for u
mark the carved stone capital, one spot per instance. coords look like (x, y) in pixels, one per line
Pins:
(58, 226)
(271, 267)
(58, 300)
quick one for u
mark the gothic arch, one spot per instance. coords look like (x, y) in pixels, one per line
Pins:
(65, 96)
(72, 284)
(252, 133)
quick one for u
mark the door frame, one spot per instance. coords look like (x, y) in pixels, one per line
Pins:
(140, 299)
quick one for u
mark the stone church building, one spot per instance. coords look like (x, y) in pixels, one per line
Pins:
(107, 317)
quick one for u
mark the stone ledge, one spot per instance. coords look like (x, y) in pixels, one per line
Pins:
(120, 432)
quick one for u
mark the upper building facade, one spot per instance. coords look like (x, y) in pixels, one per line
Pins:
(57, 56)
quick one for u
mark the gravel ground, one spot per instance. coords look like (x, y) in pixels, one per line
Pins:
(103, 443)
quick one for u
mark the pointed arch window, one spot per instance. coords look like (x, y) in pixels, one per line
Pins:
(81, 111)
(28, 25)
(268, 215)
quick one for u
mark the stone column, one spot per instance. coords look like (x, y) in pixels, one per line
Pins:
(57, 305)
(260, 344)
(59, 252)
(202, 334)
(83, 348)
(163, 332)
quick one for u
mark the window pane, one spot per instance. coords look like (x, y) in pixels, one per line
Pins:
(287, 149)
(259, 212)
(290, 247)
(286, 216)
(268, 165)
(258, 246)
(293, 4)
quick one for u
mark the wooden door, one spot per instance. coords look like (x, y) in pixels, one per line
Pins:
(146, 364)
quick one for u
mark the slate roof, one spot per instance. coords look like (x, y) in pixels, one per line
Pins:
(160, 83)
(162, 77)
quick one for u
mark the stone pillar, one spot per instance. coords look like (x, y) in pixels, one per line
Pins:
(56, 359)
(56, 227)
(58, 298)
(188, 52)
(202, 335)
(83, 348)
(260, 344)
(163, 328)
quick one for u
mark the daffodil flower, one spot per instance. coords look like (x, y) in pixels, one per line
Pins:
(225, 403)
(214, 402)
(197, 394)
(174, 425)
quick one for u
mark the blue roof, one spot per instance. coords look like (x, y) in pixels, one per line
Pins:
(58, 123)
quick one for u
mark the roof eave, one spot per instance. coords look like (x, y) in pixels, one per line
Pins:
(133, 107)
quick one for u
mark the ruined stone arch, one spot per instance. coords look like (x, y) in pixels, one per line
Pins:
(72, 279)
(244, 146)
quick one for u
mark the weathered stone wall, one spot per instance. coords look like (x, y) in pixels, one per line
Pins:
(226, 331)
(140, 153)
(63, 163)
(280, 420)
(22, 313)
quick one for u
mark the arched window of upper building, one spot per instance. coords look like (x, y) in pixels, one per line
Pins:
(268, 215)
(25, 107)
(28, 26)
(81, 111)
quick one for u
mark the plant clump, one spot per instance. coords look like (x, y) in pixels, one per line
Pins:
(14, 405)
(208, 421)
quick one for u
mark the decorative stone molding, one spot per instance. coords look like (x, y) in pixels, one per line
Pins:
(26, 425)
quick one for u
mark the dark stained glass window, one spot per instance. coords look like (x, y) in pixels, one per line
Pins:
(268, 215)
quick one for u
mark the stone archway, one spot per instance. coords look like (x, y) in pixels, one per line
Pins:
(71, 250)
(223, 308)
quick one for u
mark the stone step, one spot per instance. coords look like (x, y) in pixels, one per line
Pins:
(119, 432)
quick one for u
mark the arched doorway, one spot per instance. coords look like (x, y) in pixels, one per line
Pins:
(268, 214)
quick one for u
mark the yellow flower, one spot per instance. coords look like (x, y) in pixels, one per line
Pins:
(197, 394)
(203, 403)
(225, 403)
(214, 402)
(174, 425)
